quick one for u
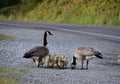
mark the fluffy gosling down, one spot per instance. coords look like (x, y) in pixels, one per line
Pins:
(61, 62)
(50, 61)
(39, 62)
(57, 61)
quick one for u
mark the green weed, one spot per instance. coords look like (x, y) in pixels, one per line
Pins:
(3, 37)
(92, 12)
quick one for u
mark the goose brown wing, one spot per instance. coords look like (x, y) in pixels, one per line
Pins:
(39, 51)
(86, 51)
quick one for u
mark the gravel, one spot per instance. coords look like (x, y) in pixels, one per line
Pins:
(99, 72)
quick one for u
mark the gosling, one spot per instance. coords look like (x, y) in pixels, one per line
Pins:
(61, 62)
(50, 61)
(39, 62)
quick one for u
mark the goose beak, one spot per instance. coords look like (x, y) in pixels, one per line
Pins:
(49, 33)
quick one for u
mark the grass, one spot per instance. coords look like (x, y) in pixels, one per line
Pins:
(10, 71)
(5, 72)
(101, 12)
(4, 80)
(4, 37)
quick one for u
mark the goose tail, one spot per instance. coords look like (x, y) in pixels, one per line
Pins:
(26, 55)
(98, 55)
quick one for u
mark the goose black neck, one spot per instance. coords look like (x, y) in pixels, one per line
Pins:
(74, 61)
(45, 39)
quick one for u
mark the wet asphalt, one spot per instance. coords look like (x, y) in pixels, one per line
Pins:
(105, 71)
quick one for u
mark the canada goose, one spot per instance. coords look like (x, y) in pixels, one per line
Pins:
(50, 61)
(56, 62)
(85, 53)
(62, 61)
(39, 52)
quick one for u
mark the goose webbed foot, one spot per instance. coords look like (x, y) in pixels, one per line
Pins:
(72, 67)
(84, 68)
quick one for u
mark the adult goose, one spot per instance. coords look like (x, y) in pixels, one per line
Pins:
(39, 52)
(84, 53)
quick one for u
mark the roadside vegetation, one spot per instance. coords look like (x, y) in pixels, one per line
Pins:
(4, 37)
(6, 72)
(90, 12)
(4, 80)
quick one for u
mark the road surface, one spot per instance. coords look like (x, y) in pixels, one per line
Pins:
(65, 40)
